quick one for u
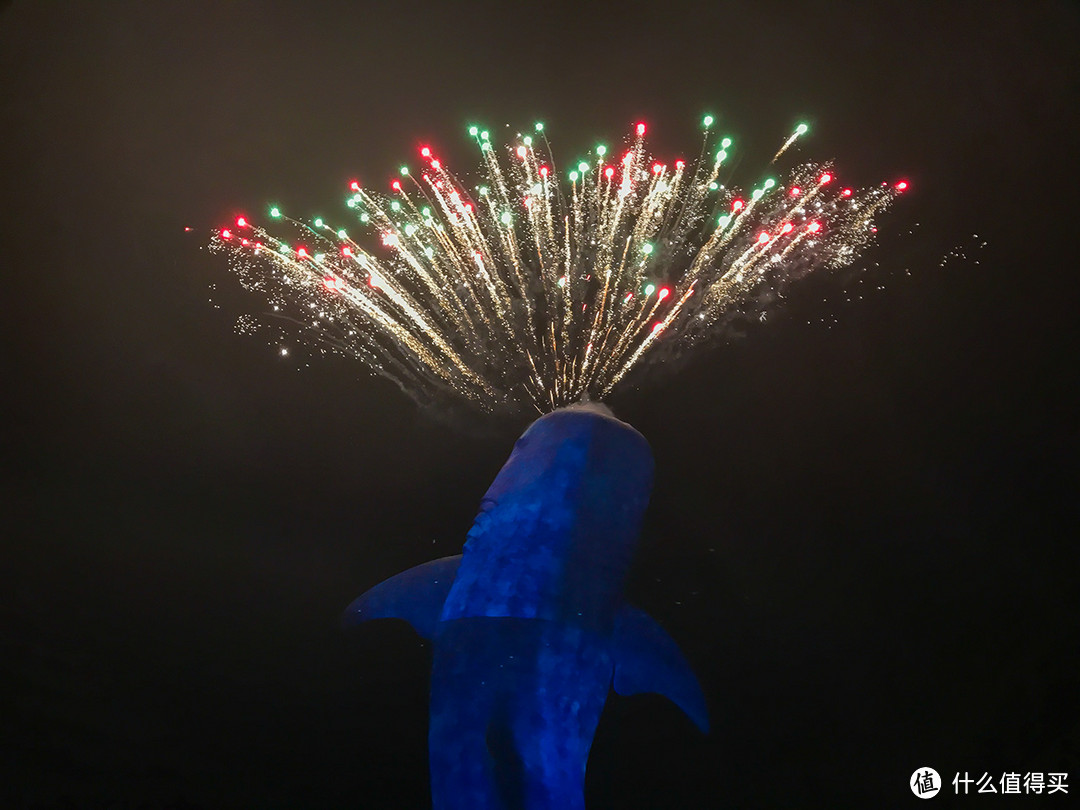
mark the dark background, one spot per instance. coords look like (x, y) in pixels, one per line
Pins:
(864, 525)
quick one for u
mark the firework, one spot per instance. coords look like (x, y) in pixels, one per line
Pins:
(534, 289)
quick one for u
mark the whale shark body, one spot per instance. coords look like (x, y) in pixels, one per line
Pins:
(529, 627)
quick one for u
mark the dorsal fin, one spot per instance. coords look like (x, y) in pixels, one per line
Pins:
(416, 595)
(647, 659)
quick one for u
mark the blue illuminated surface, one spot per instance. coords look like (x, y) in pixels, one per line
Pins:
(529, 626)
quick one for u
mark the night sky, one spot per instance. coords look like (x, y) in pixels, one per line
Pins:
(863, 532)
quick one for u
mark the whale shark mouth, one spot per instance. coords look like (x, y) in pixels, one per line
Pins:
(589, 406)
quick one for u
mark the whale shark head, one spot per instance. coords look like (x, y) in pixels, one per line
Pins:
(578, 464)
(558, 526)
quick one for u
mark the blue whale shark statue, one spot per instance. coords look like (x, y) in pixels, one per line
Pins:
(529, 627)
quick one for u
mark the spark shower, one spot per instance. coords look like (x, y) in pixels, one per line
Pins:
(537, 286)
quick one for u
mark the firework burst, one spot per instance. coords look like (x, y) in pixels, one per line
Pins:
(532, 289)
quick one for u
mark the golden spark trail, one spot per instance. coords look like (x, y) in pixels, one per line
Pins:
(799, 130)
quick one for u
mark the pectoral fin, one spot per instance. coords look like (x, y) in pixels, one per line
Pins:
(647, 659)
(416, 595)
